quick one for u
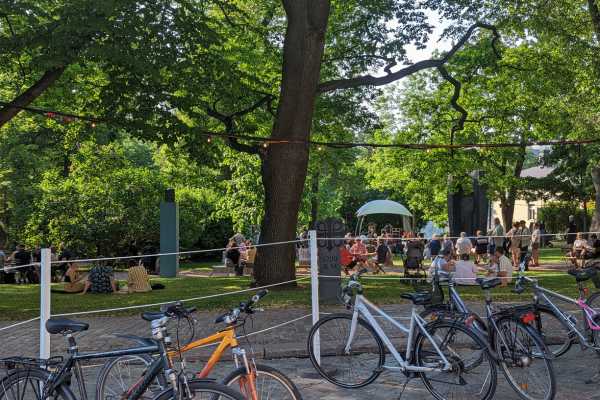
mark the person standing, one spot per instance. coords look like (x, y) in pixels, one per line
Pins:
(525, 241)
(463, 245)
(22, 257)
(536, 240)
(571, 230)
(435, 246)
(515, 243)
(496, 236)
(447, 245)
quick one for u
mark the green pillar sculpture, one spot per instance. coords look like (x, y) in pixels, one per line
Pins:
(169, 235)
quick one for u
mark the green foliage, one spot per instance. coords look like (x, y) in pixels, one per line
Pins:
(555, 215)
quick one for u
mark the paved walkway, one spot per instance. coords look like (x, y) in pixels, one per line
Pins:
(285, 348)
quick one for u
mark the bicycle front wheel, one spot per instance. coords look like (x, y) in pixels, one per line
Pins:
(524, 360)
(28, 384)
(472, 374)
(269, 384)
(346, 361)
(201, 390)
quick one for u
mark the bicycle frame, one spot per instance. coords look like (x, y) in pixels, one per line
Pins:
(226, 339)
(363, 306)
(589, 313)
(72, 363)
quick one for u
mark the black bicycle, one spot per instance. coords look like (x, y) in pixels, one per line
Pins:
(35, 379)
(513, 340)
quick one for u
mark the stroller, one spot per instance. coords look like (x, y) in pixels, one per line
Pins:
(413, 263)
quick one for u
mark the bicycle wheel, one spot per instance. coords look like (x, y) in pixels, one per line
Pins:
(594, 302)
(27, 384)
(524, 360)
(120, 374)
(473, 373)
(353, 368)
(270, 384)
(556, 337)
(202, 390)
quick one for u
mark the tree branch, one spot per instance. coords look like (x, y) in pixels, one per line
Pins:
(460, 124)
(370, 80)
(27, 97)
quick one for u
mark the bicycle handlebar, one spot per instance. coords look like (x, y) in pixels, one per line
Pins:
(245, 307)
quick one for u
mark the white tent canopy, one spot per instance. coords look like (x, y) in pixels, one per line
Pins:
(382, 207)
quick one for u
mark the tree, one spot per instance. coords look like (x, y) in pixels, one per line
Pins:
(174, 69)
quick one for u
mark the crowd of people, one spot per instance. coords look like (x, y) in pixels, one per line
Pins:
(22, 266)
(497, 252)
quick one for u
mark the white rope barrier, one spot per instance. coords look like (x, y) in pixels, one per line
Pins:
(182, 300)
(82, 260)
(276, 326)
(15, 267)
(19, 324)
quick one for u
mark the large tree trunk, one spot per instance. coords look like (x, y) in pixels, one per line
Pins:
(507, 206)
(28, 96)
(596, 179)
(284, 166)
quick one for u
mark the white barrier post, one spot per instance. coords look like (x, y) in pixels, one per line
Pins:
(314, 287)
(45, 275)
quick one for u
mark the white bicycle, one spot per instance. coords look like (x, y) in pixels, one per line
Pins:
(349, 349)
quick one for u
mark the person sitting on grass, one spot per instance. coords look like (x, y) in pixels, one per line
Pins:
(138, 280)
(100, 280)
(74, 279)
(465, 271)
(500, 267)
(442, 263)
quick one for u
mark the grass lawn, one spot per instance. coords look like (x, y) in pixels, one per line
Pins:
(21, 302)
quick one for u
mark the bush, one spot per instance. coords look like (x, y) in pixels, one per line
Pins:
(555, 216)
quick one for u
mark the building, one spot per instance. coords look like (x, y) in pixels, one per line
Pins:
(525, 210)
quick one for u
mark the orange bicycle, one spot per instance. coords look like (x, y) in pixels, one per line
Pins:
(255, 381)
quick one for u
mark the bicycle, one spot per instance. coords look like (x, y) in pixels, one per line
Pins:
(446, 355)
(44, 379)
(255, 381)
(589, 336)
(516, 345)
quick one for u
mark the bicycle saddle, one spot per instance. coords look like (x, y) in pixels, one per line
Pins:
(64, 326)
(152, 315)
(418, 298)
(488, 283)
(582, 274)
